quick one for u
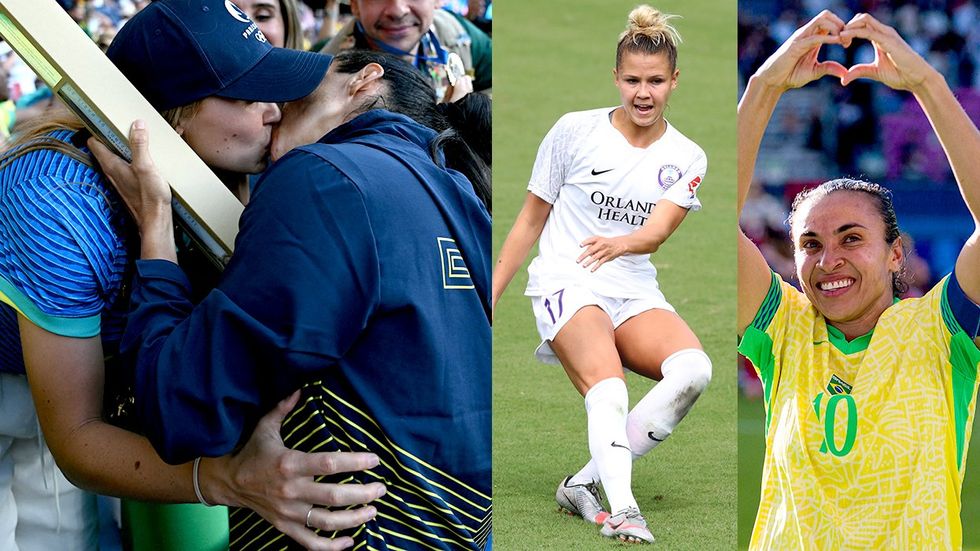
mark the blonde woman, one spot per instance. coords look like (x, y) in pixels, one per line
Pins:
(608, 187)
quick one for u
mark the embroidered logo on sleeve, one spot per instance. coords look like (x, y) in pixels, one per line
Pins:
(455, 274)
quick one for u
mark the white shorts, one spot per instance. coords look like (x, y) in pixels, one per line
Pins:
(552, 312)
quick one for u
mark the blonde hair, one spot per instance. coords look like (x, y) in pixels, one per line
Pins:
(34, 135)
(291, 25)
(648, 31)
(182, 113)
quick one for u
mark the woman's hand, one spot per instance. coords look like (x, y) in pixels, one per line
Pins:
(143, 189)
(601, 250)
(896, 64)
(456, 92)
(278, 484)
(795, 63)
(139, 183)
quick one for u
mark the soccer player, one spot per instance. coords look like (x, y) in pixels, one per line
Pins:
(869, 399)
(609, 186)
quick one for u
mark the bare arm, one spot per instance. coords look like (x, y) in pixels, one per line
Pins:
(754, 111)
(526, 231)
(66, 377)
(793, 65)
(961, 141)
(898, 66)
(661, 224)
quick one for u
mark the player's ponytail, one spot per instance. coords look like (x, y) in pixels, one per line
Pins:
(463, 127)
(648, 31)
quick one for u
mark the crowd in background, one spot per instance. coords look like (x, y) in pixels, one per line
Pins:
(298, 24)
(22, 96)
(863, 130)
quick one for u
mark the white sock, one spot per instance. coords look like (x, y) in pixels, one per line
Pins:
(686, 374)
(606, 404)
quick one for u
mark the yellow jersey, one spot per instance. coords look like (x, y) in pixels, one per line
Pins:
(866, 439)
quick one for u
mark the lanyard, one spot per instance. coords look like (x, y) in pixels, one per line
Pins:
(429, 41)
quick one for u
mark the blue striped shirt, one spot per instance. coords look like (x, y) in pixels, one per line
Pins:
(62, 250)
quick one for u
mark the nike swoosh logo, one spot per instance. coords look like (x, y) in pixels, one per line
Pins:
(815, 343)
(652, 437)
(615, 445)
(598, 172)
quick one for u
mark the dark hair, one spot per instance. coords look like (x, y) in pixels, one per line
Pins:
(649, 32)
(461, 136)
(886, 209)
(471, 117)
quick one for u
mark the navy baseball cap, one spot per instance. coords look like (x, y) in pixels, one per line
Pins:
(179, 51)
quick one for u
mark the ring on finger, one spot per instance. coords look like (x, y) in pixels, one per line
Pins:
(308, 515)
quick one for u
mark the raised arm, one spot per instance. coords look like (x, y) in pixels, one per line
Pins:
(898, 66)
(525, 232)
(793, 65)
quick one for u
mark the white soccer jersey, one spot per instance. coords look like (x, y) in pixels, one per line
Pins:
(599, 184)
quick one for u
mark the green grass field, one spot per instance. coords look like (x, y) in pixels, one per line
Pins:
(555, 57)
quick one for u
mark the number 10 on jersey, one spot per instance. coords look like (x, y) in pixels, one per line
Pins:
(828, 413)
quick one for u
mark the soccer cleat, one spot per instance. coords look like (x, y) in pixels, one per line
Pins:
(582, 500)
(627, 525)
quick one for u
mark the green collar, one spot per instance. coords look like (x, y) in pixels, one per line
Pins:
(859, 344)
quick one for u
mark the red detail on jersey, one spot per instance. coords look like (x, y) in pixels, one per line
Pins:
(693, 185)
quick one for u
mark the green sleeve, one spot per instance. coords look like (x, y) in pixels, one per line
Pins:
(756, 343)
(964, 358)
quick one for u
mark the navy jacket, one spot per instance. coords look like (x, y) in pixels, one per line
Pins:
(362, 270)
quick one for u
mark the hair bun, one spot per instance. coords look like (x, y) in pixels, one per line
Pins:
(646, 21)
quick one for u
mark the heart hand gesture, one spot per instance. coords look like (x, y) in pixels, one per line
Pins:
(795, 62)
(896, 64)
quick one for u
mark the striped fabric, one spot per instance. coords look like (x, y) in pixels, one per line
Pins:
(424, 507)
(62, 250)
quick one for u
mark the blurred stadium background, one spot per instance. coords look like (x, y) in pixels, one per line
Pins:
(867, 131)
(554, 57)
